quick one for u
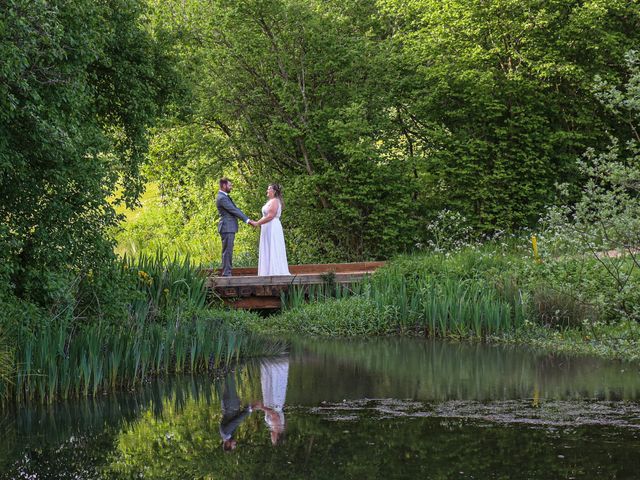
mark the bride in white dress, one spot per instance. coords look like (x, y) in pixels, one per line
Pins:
(272, 256)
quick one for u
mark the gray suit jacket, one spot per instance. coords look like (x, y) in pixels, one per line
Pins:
(229, 214)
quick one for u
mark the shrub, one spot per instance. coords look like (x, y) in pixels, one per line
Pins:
(554, 308)
(606, 220)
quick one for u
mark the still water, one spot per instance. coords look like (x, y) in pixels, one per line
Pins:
(390, 408)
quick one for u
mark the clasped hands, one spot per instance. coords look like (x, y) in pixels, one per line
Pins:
(253, 223)
(258, 405)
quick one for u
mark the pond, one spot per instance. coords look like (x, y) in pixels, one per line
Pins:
(385, 408)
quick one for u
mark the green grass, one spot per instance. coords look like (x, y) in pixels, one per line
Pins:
(355, 316)
(620, 340)
(432, 295)
(149, 199)
(450, 308)
(158, 224)
(445, 304)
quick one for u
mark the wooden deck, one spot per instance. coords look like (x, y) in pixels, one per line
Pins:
(245, 289)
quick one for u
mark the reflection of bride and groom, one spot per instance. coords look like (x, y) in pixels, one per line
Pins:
(272, 258)
(273, 381)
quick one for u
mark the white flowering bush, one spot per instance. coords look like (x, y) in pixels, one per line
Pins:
(605, 222)
(449, 232)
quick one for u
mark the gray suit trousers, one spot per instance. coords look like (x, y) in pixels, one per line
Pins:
(227, 252)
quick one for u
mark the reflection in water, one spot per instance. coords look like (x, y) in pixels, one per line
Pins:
(392, 408)
(439, 371)
(273, 380)
(232, 413)
(274, 373)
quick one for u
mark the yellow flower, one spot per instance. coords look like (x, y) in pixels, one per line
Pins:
(145, 277)
(534, 244)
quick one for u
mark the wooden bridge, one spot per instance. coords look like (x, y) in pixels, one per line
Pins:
(245, 289)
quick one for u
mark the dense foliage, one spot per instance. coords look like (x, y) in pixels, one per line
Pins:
(605, 221)
(80, 83)
(378, 116)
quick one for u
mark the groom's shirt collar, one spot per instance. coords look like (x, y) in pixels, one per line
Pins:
(225, 193)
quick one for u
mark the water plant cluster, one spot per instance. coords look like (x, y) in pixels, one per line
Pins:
(61, 360)
(434, 294)
(165, 327)
(500, 290)
(391, 302)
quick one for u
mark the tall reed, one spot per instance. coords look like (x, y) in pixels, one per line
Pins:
(65, 360)
(299, 295)
(447, 305)
(166, 282)
(166, 328)
(6, 366)
(432, 300)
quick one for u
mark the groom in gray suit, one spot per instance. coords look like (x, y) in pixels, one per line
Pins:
(228, 224)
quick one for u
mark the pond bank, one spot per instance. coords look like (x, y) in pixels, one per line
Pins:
(486, 293)
(619, 341)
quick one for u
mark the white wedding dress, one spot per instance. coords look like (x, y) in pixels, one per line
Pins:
(272, 255)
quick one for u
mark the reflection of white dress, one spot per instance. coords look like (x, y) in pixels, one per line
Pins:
(273, 377)
(272, 258)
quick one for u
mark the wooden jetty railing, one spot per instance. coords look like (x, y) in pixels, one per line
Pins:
(245, 289)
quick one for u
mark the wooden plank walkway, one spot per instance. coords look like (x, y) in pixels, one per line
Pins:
(245, 289)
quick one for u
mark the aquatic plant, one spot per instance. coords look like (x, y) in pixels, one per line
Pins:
(468, 294)
(166, 282)
(63, 359)
(299, 295)
(166, 327)
(6, 366)
(354, 316)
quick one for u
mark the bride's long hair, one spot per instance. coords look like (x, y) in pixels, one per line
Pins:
(277, 189)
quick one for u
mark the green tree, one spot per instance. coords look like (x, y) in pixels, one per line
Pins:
(79, 84)
(377, 117)
(297, 92)
(501, 103)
